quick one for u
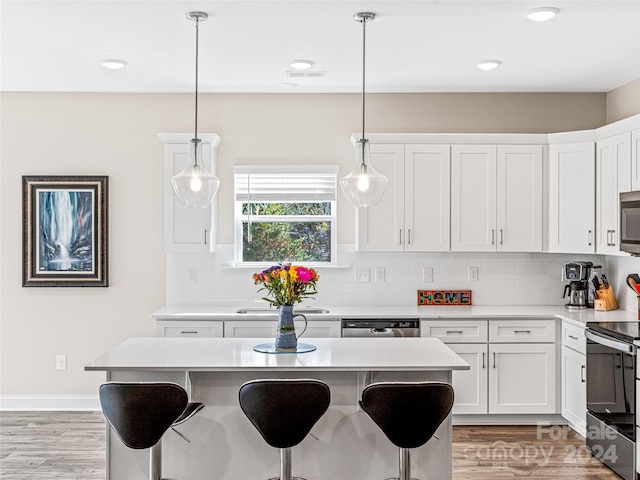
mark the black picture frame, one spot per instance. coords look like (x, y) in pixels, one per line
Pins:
(64, 231)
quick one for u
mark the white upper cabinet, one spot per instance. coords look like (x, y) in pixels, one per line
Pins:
(496, 198)
(473, 198)
(613, 175)
(187, 230)
(519, 208)
(572, 197)
(635, 159)
(413, 214)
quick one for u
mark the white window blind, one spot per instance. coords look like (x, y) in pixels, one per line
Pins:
(303, 183)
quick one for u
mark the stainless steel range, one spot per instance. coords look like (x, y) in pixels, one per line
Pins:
(611, 394)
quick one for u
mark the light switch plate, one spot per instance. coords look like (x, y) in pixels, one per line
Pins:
(427, 275)
(472, 274)
(362, 275)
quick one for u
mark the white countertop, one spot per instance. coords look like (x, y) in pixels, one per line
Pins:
(221, 312)
(237, 354)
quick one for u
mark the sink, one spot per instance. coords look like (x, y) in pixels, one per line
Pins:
(274, 311)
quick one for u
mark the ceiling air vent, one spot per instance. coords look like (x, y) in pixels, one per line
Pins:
(307, 74)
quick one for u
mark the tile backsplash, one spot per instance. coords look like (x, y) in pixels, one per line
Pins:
(394, 278)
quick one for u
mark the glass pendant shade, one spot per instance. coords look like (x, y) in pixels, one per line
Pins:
(364, 185)
(195, 186)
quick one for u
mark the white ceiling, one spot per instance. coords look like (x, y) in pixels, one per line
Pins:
(412, 46)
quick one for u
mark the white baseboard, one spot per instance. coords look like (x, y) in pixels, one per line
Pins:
(49, 403)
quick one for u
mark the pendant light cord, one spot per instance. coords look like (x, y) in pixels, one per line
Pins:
(196, 93)
(364, 43)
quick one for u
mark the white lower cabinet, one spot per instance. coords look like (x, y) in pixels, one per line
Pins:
(518, 377)
(267, 328)
(471, 386)
(522, 378)
(574, 386)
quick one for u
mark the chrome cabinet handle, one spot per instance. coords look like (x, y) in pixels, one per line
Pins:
(572, 337)
(188, 332)
(482, 359)
(582, 368)
(494, 359)
(613, 238)
(409, 236)
(205, 236)
(400, 236)
(493, 236)
(589, 238)
(454, 331)
(501, 235)
(522, 331)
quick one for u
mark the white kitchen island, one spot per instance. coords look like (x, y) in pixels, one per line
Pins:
(224, 445)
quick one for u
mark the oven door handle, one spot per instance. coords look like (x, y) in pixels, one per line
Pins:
(608, 342)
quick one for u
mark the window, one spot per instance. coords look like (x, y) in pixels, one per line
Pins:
(285, 214)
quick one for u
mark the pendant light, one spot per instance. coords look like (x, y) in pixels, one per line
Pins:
(195, 186)
(364, 186)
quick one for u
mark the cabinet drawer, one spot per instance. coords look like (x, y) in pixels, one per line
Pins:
(573, 337)
(206, 329)
(267, 328)
(522, 331)
(456, 331)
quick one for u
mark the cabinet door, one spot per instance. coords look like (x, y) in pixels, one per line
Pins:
(380, 228)
(635, 163)
(572, 198)
(613, 175)
(470, 385)
(522, 378)
(473, 198)
(426, 208)
(574, 389)
(187, 230)
(519, 198)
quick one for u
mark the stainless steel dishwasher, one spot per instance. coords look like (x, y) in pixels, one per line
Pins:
(380, 327)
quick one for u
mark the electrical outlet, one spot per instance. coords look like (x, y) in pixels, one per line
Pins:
(379, 274)
(362, 274)
(192, 275)
(472, 274)
(61, 362)
(427, 275)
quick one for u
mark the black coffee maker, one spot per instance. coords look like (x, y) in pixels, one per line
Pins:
(578, 274)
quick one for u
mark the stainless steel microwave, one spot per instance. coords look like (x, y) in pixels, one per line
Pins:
(630, 222)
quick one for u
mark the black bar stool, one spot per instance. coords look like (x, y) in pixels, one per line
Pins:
(140, 414)
(408, 413)
(284, 411)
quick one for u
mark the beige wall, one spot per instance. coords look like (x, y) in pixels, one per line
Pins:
(115, 135)
(623, 101)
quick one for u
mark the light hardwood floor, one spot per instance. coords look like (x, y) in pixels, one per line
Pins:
(70, 446)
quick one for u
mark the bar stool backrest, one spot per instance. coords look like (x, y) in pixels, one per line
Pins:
(408, 413)
(284, 411)
(140, 413)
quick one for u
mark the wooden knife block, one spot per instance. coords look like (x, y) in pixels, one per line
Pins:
(605, 299)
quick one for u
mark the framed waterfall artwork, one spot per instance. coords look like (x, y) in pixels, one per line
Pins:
(64, 231)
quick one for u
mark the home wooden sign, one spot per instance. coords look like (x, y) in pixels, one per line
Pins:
(444, 297)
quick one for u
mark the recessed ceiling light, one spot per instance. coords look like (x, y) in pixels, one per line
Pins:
(113, 63)
(542, 14)
(301, 64)
(287, 85)
(489, 64)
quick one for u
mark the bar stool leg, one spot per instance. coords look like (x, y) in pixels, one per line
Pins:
(405, 464)
(285, 464)
(155, 462)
